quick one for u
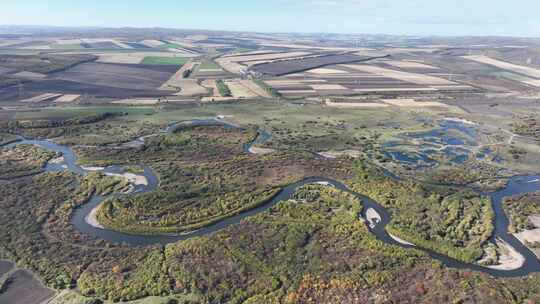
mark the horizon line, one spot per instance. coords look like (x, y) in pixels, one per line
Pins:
(258, 32)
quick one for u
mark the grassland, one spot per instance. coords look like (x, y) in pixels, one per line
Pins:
(179, 61)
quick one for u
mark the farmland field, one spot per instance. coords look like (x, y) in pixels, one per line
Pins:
(178, 61)
(120, 76)
(298, 65)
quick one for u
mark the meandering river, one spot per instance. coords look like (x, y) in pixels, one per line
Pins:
(516, 186)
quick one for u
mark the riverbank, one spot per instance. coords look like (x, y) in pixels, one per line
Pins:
(91, 219)
(135, 179)
(531, 237)
(260, 151)
(509, 257)
(401, 241)
(373, 217)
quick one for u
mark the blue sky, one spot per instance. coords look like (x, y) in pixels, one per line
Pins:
(413, 17)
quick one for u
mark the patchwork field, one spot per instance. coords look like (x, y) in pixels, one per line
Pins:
(134, 57)
(518, 73)
(524, 70)
(237, 63)
(420, 79)
(360, 79)
(284, 67)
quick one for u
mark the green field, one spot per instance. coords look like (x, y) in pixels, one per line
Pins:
(171, 46)
(165, 60)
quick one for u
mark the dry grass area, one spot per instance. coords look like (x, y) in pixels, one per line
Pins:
(409, 65)
(211, 85)
(67, 98)
(42, 97)
(255, 88)
(152, 43)
(210, 70)
(191, 88)
(326, 71)
(301, 92)
(323, 87)
(383, 103)
(532, 72)
(412, 103)
(238, 90)
(415, 78)
(217, 98)
(29, 75)
(122, 58)
(230, 66)
(403, 89)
